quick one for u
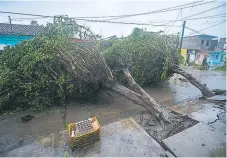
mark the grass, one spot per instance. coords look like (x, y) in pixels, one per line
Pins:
(221, 68)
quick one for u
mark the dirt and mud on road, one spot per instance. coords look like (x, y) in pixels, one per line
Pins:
(108, 107)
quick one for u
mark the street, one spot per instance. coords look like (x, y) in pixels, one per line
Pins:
(108, 108)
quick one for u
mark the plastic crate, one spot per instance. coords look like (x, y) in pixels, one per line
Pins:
(84, 133)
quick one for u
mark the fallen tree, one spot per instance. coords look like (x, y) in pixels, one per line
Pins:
(47, 68)
(151, 57)
(204, 90)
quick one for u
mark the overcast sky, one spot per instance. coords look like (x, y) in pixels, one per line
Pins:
(108, 8)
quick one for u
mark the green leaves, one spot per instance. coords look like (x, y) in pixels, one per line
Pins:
(149, 54)
(32, 75)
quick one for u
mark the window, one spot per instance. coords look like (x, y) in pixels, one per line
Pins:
(2, 46)
(214, 56)
(207, 44)
(223, 57)
(202, 42)
(197, 57)
(206, 56)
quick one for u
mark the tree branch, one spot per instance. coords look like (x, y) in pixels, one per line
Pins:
(204, 90)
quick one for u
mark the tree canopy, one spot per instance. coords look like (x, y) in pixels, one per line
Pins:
(50, 67)
(148, 55)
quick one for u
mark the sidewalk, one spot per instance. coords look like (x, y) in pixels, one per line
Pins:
(119, 139)
(205, 139)
(127, 138)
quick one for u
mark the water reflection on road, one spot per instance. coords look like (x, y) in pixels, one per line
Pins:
(115, 107)
(184, 90)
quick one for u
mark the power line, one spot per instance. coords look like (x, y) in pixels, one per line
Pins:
(139, 23)
(191, 9)
(119, 16)
(205, 28)
(212, 26)
(151, 12)
(186, 18)
(174, 21)
(204, 17)
(121, 22)
(193, 30)
(16, 13)
(46, 16)
(160, 11)
(136, 23)
(205, 23)
(208, 17)
(204, 11)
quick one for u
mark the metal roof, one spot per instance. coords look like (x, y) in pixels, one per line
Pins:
(18, 29)
(210, 36)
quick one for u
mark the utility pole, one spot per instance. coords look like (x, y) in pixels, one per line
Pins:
(10, 22)
(182, 34)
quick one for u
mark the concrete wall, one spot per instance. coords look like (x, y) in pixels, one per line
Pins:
(221, 45)
(217, 58)
(195, 42)
(200, 56)
(192, 42)
(12, 40)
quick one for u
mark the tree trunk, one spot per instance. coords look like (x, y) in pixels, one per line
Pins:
(205, 91)
(140, 97)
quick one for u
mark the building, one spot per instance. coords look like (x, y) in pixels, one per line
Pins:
(12, 34)
(218, 55)
(201, 46)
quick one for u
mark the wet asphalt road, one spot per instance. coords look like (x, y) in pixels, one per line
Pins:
(108, 109)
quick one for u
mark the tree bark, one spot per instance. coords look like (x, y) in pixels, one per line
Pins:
(140, 97)
(204, 90)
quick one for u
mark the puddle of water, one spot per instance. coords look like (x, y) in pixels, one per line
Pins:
(207, 114)
(110, 108)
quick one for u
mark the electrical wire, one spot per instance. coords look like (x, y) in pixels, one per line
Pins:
(191, 9)
(204, 28)
(26, 14)
(207, 17)
(173, 22)
(121, 22)
(134, 23)
(186, 18)
(204, 17)
(160, 11)
(119, 16)
(204, 11)
(46, 16)
(205, 23)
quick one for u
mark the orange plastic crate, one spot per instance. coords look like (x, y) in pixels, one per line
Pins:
(84, 133)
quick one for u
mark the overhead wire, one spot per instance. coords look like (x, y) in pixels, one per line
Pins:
(186, 18)
(46, 16)
(156, 22)
(134, 23)
(191, 8)
(195, 13)
(202, 12)
(199, 31)
(198, 18)
(180, 11)
(119, 16)
(205, 23)
(184, 6)
(121, 22)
